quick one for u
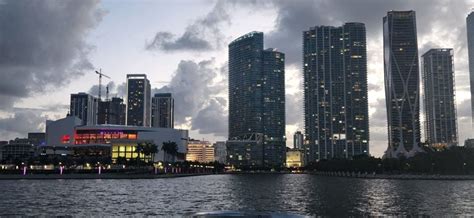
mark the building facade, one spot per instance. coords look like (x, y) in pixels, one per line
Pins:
(220, 152)
(200, 151)
(335, 91)
(162, 110)
(295, 158)
(112, 112)
(402, 89)
(470, 46)
(85, 107)
(298, 140)
(138, 100)
(439, 98)
(257, 96)
(246, 151)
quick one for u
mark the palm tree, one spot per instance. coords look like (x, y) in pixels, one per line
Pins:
(170, 148)
(138, 149)
(150, 148)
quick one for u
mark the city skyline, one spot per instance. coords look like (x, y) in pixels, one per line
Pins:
(33, 108)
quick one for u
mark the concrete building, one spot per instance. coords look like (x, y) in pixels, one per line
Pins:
(402, 84)
(138, 100)
(335, 91)
(470, 46)
(257, 96)
(162, 110)
(18, 150)
(112, 112)
(298, 140)
(84, 107)
(246, 152)
(439, 98)
(118, 139)
(37, 138)
(200, 151)
(220, 152)
(295, 158)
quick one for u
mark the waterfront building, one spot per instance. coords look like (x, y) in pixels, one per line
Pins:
(220, 152)
(18, 150)
(37, 138)
(84, 106)
(257, 96)
(245, 151)
(335, 91)
(162, 111)
(117, 140)
(138, 100)
(402, 89)
(439, 98)
(295, 158)
(112, 112)
(200, 151)
(470, 48)
(298, 140)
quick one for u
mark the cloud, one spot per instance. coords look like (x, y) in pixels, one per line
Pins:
(202, 35)
(43, 45)
(212, 119)
(21, 122)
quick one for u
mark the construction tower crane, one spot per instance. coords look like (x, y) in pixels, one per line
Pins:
(100, 81)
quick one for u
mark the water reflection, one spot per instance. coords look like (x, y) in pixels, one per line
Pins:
(285, 193)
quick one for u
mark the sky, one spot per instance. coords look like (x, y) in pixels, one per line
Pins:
(50, 49)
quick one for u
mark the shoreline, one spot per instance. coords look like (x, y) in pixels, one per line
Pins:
(95, 176)
(394, 176)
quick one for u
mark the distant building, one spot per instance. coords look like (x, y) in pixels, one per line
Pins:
(469, 143)
(112, 112)
(402, 84)
(85, 107)
(138, 100)
(246, 151)
(335, 91)
(37, 138)
(18, 150)
(220, 152)
(257, 96)
(162, 111)
(295, 158)
(200, 151)
(439, 98)
(470, 46)
(298, 140)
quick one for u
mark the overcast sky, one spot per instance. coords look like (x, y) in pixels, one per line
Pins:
(49, 49)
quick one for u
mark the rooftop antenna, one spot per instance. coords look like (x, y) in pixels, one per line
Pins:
(107, 93)
(100, 81)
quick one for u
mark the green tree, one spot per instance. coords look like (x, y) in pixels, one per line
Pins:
(170, 148)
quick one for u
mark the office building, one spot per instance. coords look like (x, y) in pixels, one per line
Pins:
(335, 91)
(17, 151)
(200, 151)
(257, 96)
(470, 46)
(439, 98)
(84, 107)
(138, 100)
(295, 158)
(220, 152)
(112, 112)
(298, 140)
(402, 83)
(162, 110)
(37, 138)
(246, 151)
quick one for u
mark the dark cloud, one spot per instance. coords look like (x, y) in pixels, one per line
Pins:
(294, 109)
(42, 45)
(202, 35)
(212, 119)
(21, 122)
(94, 90)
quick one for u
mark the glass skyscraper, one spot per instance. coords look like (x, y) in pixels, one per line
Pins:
(439, 98)
(162, 110)
(470, 46)
(335, 91)
(257, 96)
(85, 107)
(138, 100)
(402, 89)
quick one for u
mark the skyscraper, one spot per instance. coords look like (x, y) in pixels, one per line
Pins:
(439, 98)
(401, 73)
(84, 106)
(257, 96)
(298, 140)
(335, 91)
(138, 100)
(470, 46)
(111, 112)
(162, 110)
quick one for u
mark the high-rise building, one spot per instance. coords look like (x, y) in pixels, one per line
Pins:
(402, 89)
(111, 112)
(298, 140)
(439, 98)
(138, 100)
(470, 46)
(162, 110)
(257, 96)
(220, 152)
(84, 106)
(200, 151)
(335, 91)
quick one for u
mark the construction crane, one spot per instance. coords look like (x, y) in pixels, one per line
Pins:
(100, 81)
